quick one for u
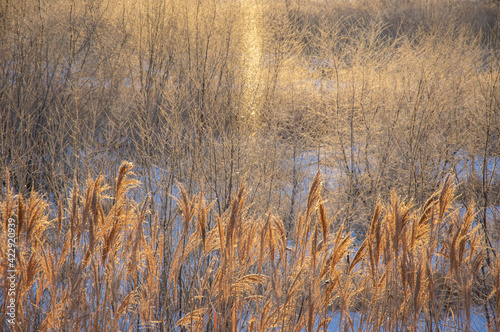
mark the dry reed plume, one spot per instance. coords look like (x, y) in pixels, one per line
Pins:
(94, 263)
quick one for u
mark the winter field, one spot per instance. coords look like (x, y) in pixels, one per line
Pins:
(250, 165)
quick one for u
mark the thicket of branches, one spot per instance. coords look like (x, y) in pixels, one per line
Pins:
(379, 95)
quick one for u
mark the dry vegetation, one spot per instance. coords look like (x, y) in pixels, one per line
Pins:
(386, 98)
(99, 265)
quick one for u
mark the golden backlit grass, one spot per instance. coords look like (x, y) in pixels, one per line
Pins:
(96, 264)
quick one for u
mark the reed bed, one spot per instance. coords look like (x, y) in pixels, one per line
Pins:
(102, 262)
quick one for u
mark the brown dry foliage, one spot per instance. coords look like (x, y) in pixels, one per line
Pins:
(99, 266)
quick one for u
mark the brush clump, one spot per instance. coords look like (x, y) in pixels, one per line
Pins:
(102, 264)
